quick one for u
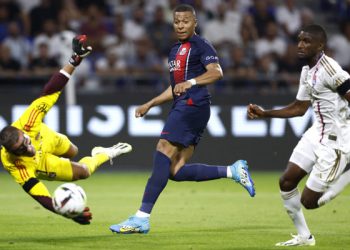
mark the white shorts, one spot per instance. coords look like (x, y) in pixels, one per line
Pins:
(323, 163)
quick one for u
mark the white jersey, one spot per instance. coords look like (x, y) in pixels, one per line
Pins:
(319, 85)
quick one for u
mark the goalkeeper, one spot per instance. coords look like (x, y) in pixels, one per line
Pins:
(32, 151)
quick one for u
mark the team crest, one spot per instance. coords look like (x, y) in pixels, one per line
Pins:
(183, 51)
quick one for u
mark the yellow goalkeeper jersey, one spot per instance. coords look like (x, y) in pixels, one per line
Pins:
(23, 168)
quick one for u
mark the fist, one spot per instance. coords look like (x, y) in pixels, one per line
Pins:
(254, 111)
(79, 46)
(80, 50)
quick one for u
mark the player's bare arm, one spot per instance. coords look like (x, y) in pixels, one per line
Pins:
(160, 99)
(213, 73)
(296, 108)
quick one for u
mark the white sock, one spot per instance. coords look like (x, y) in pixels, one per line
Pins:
(335, 188)
(229, 173)
(142, 214)
(292, 204)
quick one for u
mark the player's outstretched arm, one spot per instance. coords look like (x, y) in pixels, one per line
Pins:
(296, 108)
(39, 192)
(60, 79)
(160, 99)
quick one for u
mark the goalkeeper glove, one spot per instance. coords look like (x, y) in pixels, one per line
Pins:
(79, 50)
(83, 218)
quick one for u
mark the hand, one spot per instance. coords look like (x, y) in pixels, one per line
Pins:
(255, 111)
(80, 50)
(83, 218)
(182, 87)
(142, 110)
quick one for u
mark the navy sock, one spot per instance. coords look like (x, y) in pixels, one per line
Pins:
(157, 182)
(200, 172)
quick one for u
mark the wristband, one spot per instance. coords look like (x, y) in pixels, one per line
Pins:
(65, 73)
(192, 81)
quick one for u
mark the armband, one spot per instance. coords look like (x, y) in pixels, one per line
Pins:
(29, 184)
(344, 87)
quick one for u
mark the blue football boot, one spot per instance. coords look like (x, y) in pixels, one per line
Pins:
(132, 225)
(241, 175)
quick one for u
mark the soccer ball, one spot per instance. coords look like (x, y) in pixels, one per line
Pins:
(69, 200)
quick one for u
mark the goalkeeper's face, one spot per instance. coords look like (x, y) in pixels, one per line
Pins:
(23, 145)
(184, 25)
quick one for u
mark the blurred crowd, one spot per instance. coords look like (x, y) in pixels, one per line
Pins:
(255, 40)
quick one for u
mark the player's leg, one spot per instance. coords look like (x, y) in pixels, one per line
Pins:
(292, 203)
(61, 146)
(184, 125)
(58, 144)
(71, 152)
(180, 171)
(325, 177)
(300, 163)
(100, 155)
(139, 223)
(336, 188)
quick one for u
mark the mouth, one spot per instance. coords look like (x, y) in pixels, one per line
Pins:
(301, 53)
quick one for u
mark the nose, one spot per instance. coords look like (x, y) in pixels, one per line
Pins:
(300, 45)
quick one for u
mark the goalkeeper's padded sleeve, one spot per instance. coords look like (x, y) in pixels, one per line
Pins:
(39, 192)
(55, 84)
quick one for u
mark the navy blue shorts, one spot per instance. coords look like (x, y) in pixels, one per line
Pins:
(186, 123)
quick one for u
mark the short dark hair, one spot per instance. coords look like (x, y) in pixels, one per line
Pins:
(184, 8)
(316, 30)
(8, 137)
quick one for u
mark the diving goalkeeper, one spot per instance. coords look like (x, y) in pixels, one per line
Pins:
(31, 151)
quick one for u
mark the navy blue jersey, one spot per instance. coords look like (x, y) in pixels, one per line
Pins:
(188, 60)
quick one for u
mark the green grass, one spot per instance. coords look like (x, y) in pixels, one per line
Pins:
(208, 215)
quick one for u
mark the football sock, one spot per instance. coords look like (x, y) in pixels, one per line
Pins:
(335, 188)
(142, 214)
(157, 182)
(199, 172)
(292, 204)
(93, 162)
(228, 172)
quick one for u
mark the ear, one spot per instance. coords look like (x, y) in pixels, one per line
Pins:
(321, 46)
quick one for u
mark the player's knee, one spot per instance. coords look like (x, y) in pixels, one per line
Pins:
(286, 184)
(81, 172)
(308, 204)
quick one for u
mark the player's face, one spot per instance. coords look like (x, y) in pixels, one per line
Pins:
(184, 25)
(23, 146)
(308, 46)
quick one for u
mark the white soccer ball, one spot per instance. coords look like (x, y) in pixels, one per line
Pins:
(69, 200)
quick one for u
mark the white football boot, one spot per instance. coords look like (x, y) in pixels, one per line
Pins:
(298, 240)
(114, 151)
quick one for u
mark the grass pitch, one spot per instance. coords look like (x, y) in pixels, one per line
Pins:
(208, 215)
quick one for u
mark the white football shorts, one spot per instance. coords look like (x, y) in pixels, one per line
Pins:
(324, 164)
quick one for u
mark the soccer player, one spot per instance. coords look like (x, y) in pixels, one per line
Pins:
(32, 151)
(193, 64)
(323, 150)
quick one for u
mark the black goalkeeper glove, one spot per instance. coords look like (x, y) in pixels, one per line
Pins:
(83, 218)
(80, 50)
